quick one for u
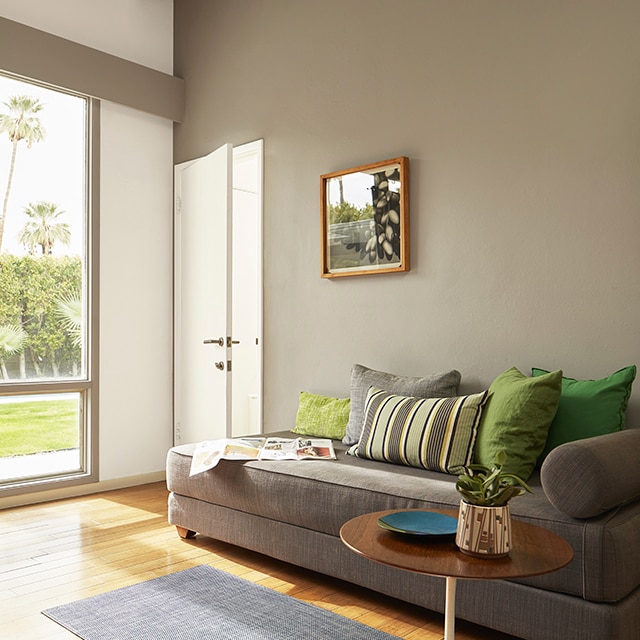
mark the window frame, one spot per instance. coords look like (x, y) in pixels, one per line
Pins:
(87, 387)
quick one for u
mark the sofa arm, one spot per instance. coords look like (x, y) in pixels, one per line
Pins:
(588, 477)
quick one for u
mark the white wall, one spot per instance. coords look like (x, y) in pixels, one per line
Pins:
(136, 230)
(522, 122)
(135, 293)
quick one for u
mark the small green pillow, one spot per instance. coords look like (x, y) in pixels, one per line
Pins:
(517, 418)
(589, 407)
(321, 416)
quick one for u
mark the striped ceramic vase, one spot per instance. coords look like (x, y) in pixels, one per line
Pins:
(484, 531)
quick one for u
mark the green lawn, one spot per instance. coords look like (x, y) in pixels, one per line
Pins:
(32, 427)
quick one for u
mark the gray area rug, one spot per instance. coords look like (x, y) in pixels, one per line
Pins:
(208, 604)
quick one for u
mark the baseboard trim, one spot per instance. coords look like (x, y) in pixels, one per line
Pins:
(81, 490)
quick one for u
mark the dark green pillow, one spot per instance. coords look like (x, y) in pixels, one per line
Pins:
(322, 416)
(516, 419)
(589, 407)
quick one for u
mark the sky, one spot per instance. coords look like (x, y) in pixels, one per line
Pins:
(52, 170)
(357, 188)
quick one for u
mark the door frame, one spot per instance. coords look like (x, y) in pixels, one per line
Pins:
(255, 148)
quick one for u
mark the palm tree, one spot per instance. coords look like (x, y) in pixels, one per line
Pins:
(43, 229)
(12, 339)
(20, 123)
(69, 311)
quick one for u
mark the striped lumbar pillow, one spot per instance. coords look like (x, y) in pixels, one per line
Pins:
(432, 433)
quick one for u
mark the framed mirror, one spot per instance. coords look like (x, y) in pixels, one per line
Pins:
(365, 219)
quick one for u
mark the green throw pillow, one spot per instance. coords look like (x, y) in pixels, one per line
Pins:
(321, 416)
(589, 407)
(432, 433)
(517, 418)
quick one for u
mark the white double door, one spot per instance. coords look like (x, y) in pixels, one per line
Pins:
(218, 295)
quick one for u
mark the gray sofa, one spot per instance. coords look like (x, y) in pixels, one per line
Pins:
(586, 491)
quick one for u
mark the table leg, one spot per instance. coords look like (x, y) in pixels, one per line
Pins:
(450, 610)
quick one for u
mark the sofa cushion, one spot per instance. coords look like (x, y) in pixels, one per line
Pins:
(589, 407)
(322, 416)
(516, 419)
(432, 433)
(583, 478)
(439, 385)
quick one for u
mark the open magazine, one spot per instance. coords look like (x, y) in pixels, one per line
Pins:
(208, 454)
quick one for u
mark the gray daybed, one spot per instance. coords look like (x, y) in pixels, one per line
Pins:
(587, 491)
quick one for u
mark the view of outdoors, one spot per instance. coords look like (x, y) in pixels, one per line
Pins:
(43, 175)
(364, 219)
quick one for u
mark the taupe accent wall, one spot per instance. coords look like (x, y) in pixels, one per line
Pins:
(522, 123)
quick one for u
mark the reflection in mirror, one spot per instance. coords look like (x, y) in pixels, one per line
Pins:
(365, 219)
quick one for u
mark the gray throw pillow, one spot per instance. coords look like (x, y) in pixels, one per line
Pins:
(439, 385)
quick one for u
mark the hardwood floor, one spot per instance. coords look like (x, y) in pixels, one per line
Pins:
(63, 551)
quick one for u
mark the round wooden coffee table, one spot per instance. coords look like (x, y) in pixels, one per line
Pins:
(534, 551)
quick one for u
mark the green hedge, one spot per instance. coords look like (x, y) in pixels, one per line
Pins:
(30, 288)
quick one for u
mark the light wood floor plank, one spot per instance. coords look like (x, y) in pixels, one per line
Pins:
(63, 551)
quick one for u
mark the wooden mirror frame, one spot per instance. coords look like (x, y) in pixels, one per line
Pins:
(378, 240)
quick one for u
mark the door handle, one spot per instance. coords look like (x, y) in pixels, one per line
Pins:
(230, 341)
(220, 365)
(218, 341)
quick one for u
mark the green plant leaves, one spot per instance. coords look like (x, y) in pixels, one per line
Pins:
(31, 290)
(489, 486)
(12, 338)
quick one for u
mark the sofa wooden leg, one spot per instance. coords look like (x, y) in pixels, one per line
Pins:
(185, 533)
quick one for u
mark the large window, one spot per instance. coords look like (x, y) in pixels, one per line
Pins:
(48, 319)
